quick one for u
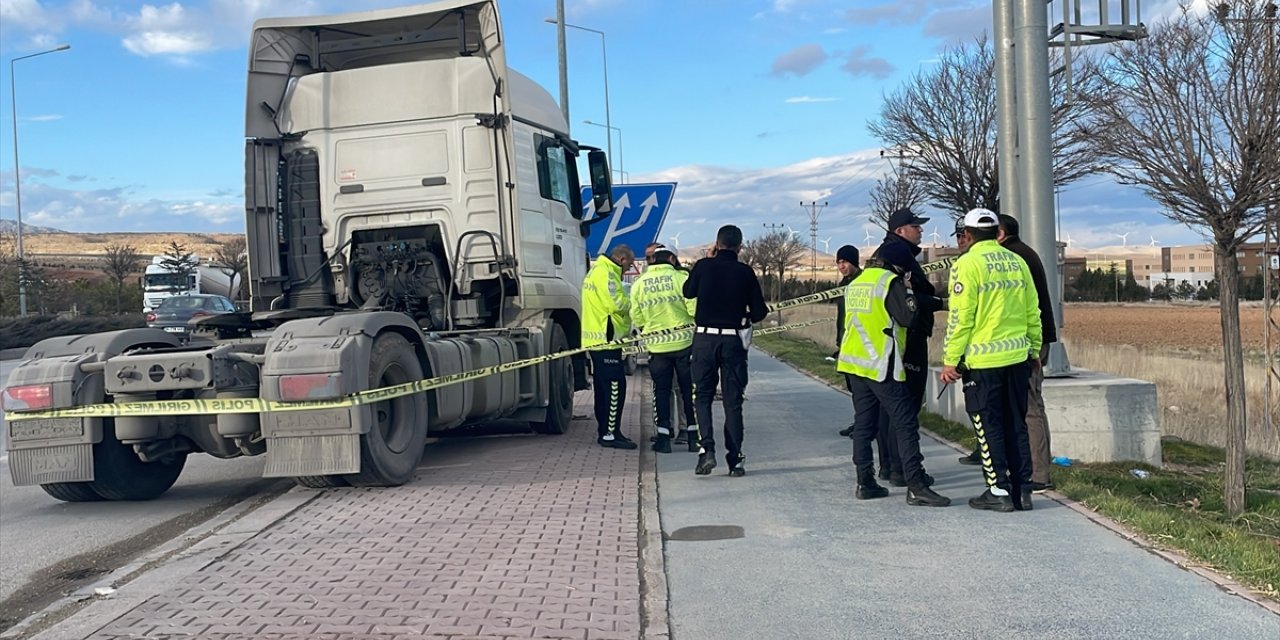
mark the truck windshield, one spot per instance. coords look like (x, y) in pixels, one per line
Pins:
(162, 281)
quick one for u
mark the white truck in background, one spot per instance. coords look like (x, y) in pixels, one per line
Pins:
(160, 283)
(413, 210)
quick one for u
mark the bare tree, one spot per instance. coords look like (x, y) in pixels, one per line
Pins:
(1191, 115)
(234, 261)
(896, 191)
(179, 262)
(773, 253)
(946, 116)
(120, 262)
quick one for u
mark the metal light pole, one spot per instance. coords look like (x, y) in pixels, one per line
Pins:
(564, 61)
(622, 173)
(17, 175)
(604, 55)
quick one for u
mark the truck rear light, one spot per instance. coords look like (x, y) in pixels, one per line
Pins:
(310, 386)
(32, 397)
(151, 317)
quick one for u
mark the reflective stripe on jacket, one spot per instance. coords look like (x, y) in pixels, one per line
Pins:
(657, 303)
(605, 307)
(995, 312)
(873, 341)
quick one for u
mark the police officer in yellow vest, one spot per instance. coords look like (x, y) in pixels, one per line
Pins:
(606, 317)
(878, 309)
(656, 304)
(994, 330)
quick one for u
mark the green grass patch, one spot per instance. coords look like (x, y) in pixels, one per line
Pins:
(1178, 506)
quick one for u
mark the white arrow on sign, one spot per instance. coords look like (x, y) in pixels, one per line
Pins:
(623, 203)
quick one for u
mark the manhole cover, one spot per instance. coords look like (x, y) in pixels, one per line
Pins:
(705, 532)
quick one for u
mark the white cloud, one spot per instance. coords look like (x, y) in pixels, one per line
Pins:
(28, 15)
(52, 201)
(48, 117)
(808, 100)
(149, 43)
(860, 64)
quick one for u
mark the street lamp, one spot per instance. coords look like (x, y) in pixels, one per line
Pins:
(604, 56)
(622, 174)
(17, 175)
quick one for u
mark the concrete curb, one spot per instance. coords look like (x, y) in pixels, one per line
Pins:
(654, 598)
(84, 612)
(1176, 558)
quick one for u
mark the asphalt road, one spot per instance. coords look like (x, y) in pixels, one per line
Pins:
(48, 547)
(813, 562)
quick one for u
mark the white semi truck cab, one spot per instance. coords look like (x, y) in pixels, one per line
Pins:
(412, 211)
(160, 283)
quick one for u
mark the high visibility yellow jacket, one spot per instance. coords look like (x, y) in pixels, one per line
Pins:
(658, 302)
(605, 307)
(876, 323)
(995, 312)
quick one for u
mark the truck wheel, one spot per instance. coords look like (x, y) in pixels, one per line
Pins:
(71, 491)
(321, 482)
(392, 449)
(120, 475)
(560, 409)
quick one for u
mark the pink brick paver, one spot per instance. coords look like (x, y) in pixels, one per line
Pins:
(507, 537)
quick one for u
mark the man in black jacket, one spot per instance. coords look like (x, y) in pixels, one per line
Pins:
(900, 248)
(1037, 422)
(729, 301)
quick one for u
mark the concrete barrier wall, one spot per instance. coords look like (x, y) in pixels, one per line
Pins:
(1093, 417)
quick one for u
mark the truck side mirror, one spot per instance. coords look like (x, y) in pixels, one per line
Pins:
(601, 182)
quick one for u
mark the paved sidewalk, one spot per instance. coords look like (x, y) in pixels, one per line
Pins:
(813, 562)
(504, 537)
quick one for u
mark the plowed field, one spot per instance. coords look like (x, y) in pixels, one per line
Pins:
(1177, 328)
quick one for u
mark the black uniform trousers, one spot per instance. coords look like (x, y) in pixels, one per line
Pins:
(609, 379)
(895, 399)
(722, 360)
(915, 358)
(663, 367)
(996, 400)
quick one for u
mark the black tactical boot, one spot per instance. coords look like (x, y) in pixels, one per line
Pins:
(868, 489)
(926, 497)
(973, 459)
(694, 447)
(1024, 502)
(897, 479)
(991, 502)
(682, 436)
(706, 462)
(846, 432)
(662, 444)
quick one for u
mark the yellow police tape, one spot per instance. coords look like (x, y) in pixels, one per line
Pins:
(260, 405)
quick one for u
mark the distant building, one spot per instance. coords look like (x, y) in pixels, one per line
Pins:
(1199, 259)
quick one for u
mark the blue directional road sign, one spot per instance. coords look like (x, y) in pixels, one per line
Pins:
(638, 213)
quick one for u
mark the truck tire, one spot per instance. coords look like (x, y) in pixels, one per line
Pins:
(71, 491)
(321, 482)
(392, 449)
(120, 475)
(560, 407)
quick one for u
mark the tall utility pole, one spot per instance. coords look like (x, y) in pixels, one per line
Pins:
(1007, 113)
(814, 210)
(564, 62)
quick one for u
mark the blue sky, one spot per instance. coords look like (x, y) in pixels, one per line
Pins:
(752, 105)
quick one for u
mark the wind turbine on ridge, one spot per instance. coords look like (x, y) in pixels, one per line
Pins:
(1154, 242)
(935, 237)
(868, 240)
(826, 245)
(1124, 239)
(675, 241)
